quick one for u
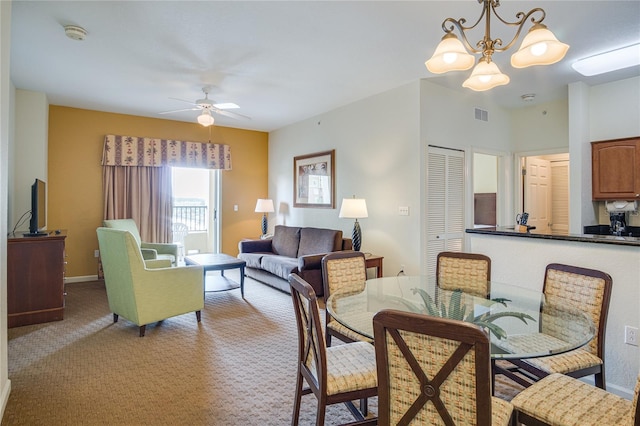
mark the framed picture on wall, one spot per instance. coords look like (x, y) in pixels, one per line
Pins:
(314, 180)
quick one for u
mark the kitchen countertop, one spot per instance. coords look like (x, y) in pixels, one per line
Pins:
(587, 238)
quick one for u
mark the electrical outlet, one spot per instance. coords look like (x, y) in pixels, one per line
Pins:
(630, 335)
(96, 253)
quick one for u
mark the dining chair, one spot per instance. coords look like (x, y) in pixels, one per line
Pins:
(343, 271)
(560, 400)
(574, 288)
(337, 374)
(433, 371)
(469, 272)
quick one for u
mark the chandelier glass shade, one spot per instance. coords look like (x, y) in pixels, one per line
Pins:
(206, 119)
(486, 75)
(539, 47)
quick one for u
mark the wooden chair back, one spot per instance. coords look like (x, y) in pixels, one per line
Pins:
(312, 356)
(431, 370)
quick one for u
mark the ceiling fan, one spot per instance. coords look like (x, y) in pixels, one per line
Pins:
(207, 106)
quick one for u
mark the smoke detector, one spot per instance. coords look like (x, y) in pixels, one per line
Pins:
(529, 97)
(74, 32)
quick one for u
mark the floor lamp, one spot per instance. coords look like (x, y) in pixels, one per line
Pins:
(354, 208)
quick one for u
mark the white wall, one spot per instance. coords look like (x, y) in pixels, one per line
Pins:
(380, 143)
(614, 110)
(377, 147)
(5, 135)
(541, 128)
(30, 148)
(448, 121)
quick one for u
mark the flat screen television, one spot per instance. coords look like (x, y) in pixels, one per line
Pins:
(38, 209)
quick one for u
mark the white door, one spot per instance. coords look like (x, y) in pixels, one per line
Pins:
(444, 205)
(560, 197)
(537, 193)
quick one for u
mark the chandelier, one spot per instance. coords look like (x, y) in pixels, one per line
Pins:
(539, 47)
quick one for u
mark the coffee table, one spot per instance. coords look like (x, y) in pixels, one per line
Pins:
(218, 262)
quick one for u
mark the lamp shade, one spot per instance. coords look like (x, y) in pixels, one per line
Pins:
(205, 118)
(539, 47)
(450, 55)
(264, 206)
(485, 76)
(353, 208)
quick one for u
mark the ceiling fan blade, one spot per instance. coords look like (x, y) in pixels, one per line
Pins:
(182, 100)
(230, 114)
(179, 110)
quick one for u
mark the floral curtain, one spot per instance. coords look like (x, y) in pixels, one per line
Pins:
(152, 152)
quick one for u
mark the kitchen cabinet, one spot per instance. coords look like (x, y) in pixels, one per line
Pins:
(35, 279)
(616, 169)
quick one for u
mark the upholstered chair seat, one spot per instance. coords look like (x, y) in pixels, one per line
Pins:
(560, 400)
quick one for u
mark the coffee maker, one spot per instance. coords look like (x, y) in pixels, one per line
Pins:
(618, 222)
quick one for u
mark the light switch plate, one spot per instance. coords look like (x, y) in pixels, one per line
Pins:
(403, 210)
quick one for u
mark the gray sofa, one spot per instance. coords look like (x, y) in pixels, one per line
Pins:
(291, 250)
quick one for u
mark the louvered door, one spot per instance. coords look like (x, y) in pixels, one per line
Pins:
(444, 205)
(560, 197)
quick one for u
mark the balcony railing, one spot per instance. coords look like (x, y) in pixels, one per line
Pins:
(195, 217)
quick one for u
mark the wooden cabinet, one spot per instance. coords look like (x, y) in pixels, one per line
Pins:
(616, 169)
(35, 279)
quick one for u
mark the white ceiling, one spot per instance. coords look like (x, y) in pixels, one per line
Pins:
(282, 62)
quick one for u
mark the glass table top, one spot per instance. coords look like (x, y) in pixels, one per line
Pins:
(519, 322)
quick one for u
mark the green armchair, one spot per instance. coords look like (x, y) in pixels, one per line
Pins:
(146, 292)
(149, 250)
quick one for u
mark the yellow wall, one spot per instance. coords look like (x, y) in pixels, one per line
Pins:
(74, 181)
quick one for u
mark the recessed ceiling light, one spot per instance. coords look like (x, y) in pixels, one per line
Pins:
(609, 61)
(74, 32)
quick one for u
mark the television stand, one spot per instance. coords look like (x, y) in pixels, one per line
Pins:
(35, 279)
(35, 234)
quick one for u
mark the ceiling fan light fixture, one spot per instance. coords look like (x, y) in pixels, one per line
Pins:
(206, 119)
(539, 47)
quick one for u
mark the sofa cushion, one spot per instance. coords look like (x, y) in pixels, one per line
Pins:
(318, 240)
(285, 241)
(279, 266)
(252, 259)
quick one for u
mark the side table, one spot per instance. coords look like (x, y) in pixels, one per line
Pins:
(374, 261)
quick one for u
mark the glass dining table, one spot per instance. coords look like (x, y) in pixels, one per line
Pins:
(520, 324)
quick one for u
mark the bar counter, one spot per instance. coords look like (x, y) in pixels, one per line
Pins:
(586, 238)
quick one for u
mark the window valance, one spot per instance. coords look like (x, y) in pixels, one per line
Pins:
(153, 152)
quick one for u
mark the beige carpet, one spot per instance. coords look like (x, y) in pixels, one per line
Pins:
(235, 368)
